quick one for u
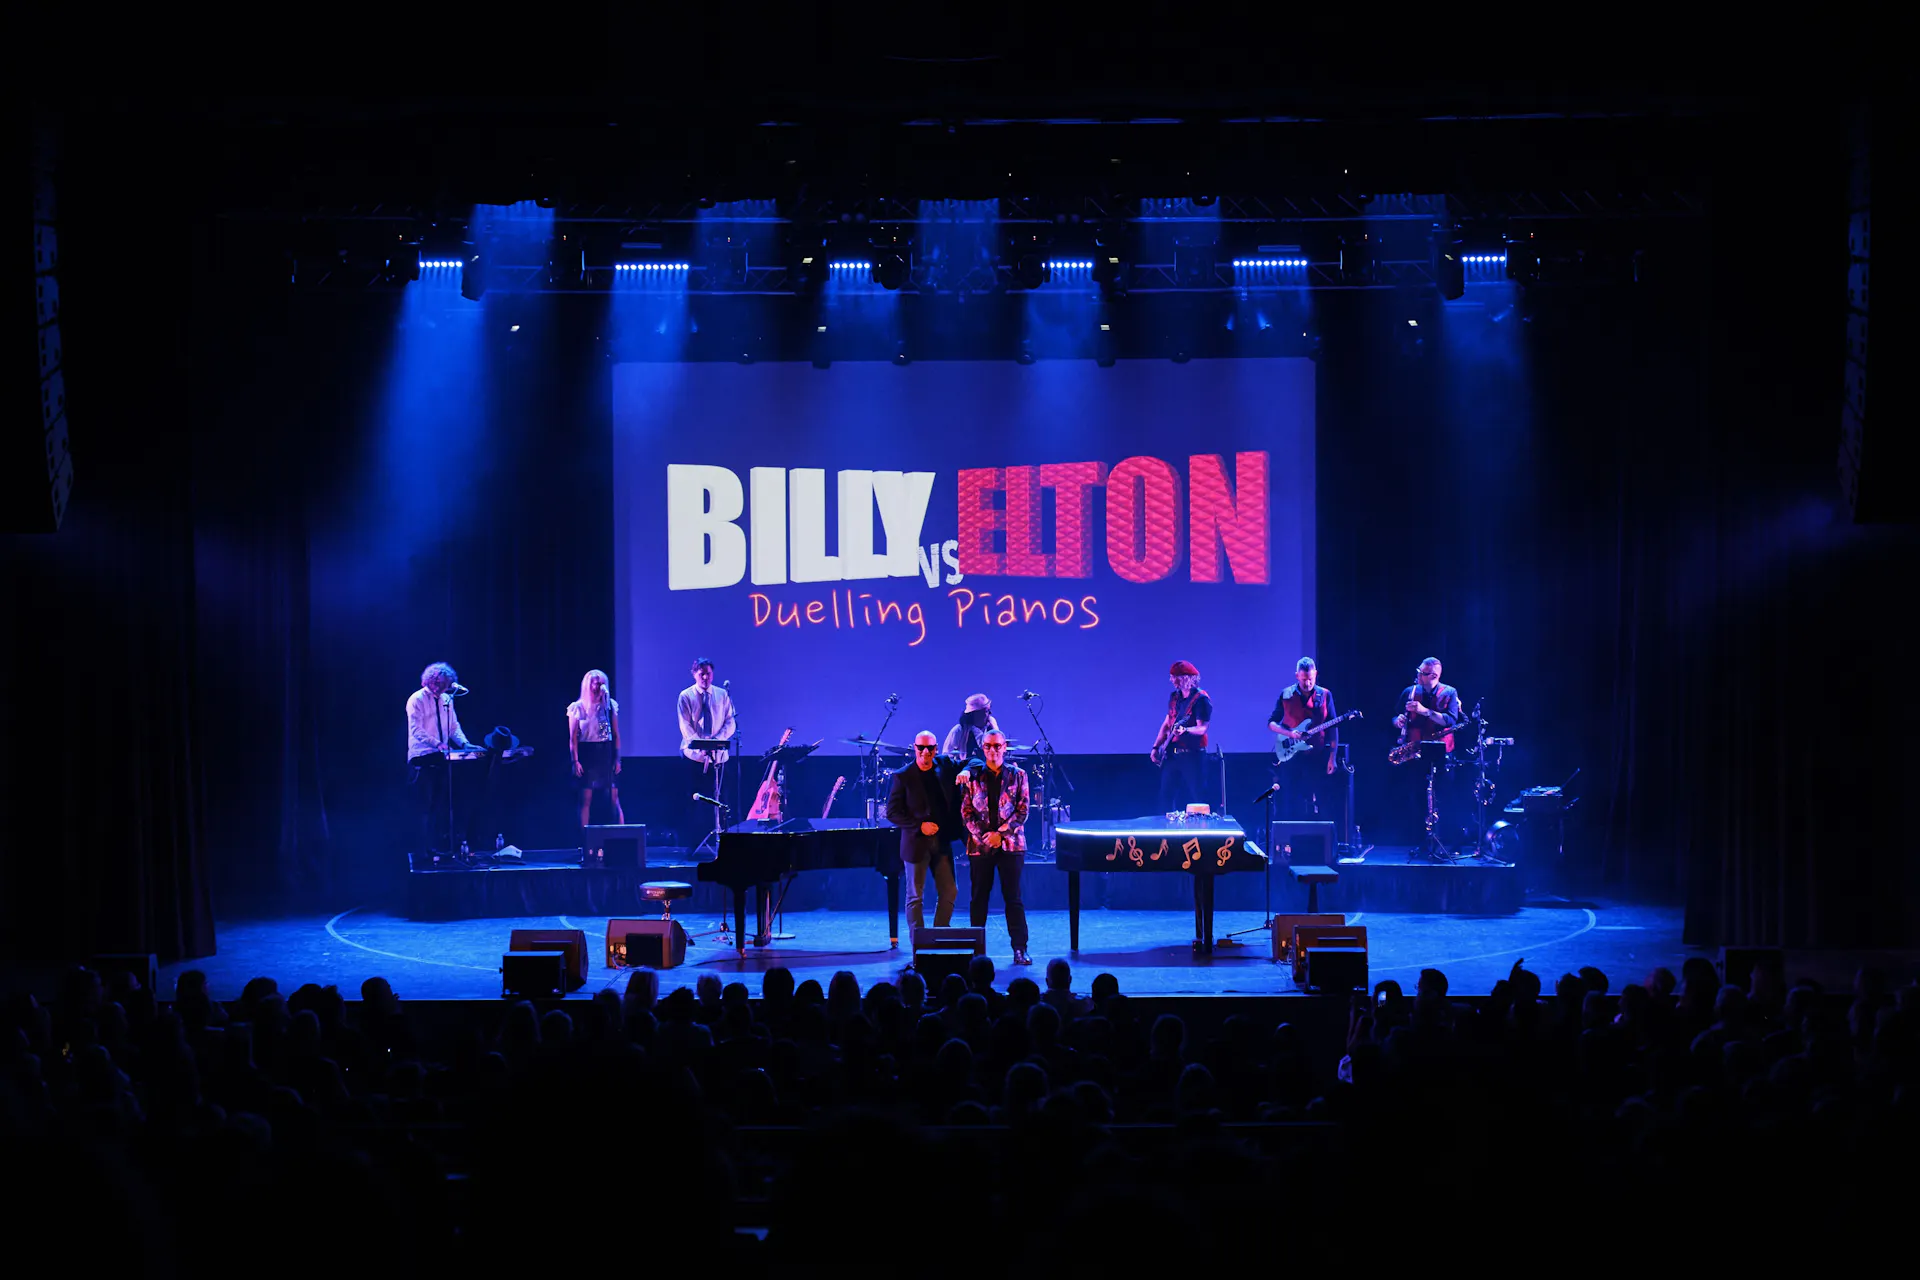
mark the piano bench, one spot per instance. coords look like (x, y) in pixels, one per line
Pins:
(1313, 878)
(666, 893)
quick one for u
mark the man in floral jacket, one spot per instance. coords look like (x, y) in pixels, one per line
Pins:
(995, 810)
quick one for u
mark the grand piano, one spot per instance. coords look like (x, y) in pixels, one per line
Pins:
(1201, 846)
(750, 855)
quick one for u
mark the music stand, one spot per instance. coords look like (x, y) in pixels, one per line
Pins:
(710, 746)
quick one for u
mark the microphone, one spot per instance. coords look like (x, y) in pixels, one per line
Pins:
(726, 684)
(1261, 798)
(708, 800)
(893, 699)
(457, 689)
(1028, 695)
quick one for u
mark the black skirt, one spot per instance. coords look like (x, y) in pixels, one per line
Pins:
(596, 767)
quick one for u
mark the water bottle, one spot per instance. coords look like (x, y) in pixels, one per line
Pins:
(499, 842)
(464, 851)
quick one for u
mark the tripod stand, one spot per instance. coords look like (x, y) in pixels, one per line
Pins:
(1484, 786)
(870, 771)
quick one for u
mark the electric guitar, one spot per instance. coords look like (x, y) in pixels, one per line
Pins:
(1286, 747)
(766, 801)
(827, 808)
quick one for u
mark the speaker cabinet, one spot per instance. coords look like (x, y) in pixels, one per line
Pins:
(939, 952)
(655, 944)
(534, 975)
(571, 942)
(1307, 937)
(1283, 927)
(622, 847)
(1336, 970)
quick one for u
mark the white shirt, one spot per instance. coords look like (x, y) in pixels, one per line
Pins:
(594, 728)
(719, 716)
(425, 720)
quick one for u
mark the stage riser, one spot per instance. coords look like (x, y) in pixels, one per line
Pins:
(538, 891)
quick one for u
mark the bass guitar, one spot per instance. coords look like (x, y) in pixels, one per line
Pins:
(1286, 745)
(827, 808)
(766, 801)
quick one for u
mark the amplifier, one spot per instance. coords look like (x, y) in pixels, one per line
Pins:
(623, 847)
(1307, 937)
(1284, 926)
(571, 942)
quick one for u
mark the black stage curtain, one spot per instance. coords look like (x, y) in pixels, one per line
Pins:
(104, 825)
(1636, 553)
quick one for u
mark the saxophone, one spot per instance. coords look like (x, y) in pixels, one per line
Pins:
(1408, 748)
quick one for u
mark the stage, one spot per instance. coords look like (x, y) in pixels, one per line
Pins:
(1147, 950)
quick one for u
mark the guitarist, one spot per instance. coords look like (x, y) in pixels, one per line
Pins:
(1180, 748)
(924, 802)
(1304, 704)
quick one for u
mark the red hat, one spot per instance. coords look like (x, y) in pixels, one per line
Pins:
(1184, 669)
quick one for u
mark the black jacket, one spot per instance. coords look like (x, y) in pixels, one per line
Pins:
(907, 809)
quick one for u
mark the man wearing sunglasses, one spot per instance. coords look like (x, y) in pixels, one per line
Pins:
(924, 803)
(995, 809)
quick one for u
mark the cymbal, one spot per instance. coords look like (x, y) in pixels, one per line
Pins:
(873, 742)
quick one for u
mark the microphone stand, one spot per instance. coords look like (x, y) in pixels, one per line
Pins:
(870, 768)
(1048, 766)
(1266, 925)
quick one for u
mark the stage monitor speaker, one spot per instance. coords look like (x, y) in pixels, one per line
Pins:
(1305, 844)
(573, 942)
(655, 944)
(1336, 970)
(940, 951)
(1308, 936)
(533, 975)
(623, 847)
(1283, 927)
(143, 969)
(617, 930)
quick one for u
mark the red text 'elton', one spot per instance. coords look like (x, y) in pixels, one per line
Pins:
(1151, 516)
(1144, 522)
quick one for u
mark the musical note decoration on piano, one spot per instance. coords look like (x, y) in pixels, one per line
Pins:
(1224, 852)
(1118, 849)
(1191, 850)
(1161, 851)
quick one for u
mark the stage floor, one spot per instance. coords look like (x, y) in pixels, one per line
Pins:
(1149, 951)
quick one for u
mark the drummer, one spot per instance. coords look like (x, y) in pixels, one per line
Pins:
(976, 722)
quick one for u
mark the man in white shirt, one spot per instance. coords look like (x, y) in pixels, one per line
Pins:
(705, 712)
(433, 729)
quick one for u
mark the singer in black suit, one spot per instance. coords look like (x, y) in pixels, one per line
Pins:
(924, 803)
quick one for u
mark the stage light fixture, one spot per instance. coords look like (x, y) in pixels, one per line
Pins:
(403, 263)
(890, 269)
(1030, 271)
(1522, 259)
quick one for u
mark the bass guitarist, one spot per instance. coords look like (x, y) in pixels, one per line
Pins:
(1180, 748)
(1304, 797)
